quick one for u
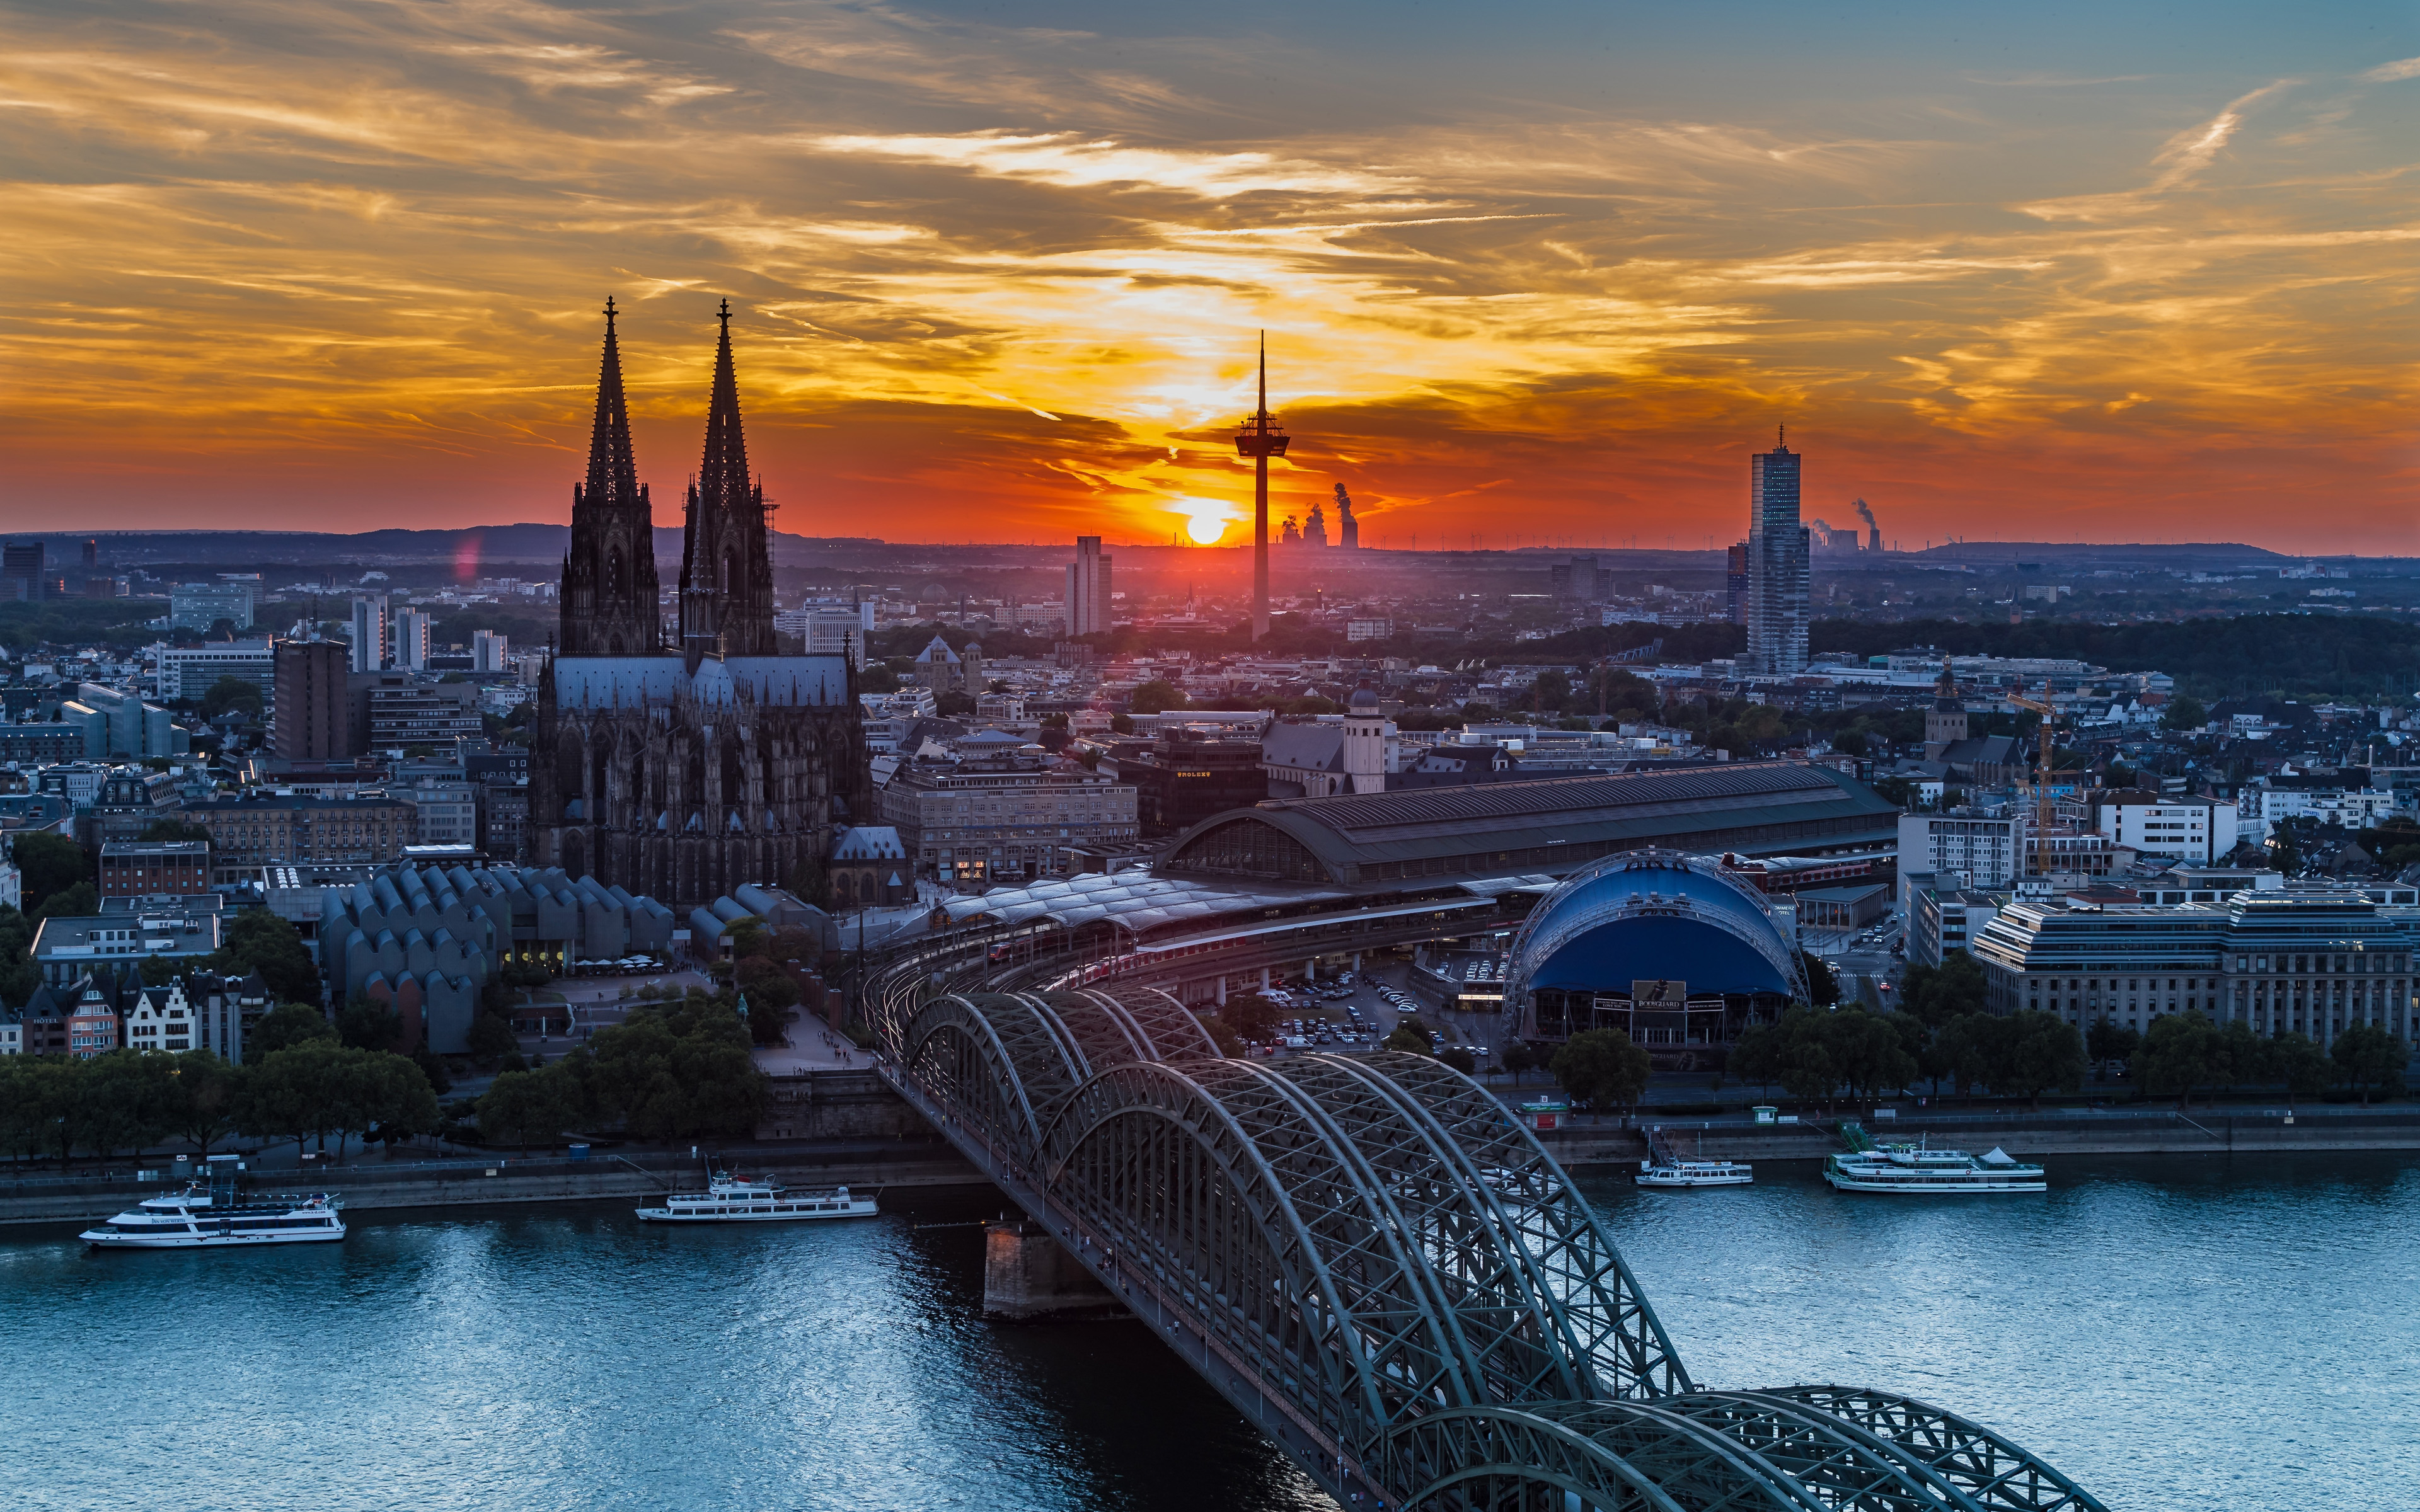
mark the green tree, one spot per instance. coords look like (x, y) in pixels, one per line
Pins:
(50, 864)
(2293, 1059)
(176, 829)
(680, 1071)
(1460, 1060)
(1121, 725)
(2185, 713)
(521, 1108)
(292, 1094)
(1802, 1056)
(1865, 1051)
(1936, 994)
(1519, 1057)
(129, 1101)
(377, 1090)
(2032, 1052)
(2371, 1061)
(208, 1091)
(258, 940)
(2107, 1042)
(1598, 1067)
(1158, 696)
(284, 1027)
(231, 694)
(367, 1023)
(1251, 1016)
(82, 901)
(492, 1038)
(2182, 1052)
(1407, 1039)
(1961, 1051)
(1756, 1055)
(52, 1108)
(1823, 988)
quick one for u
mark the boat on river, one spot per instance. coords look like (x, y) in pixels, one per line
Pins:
(210, 1215)
(730, 1199)
(1675, 1173)
(1903, 1168)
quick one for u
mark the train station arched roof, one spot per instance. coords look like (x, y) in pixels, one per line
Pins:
(1551, 825)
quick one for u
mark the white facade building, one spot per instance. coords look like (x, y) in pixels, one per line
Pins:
(188, 671)
(491, 652)
(2258, 809)
(408, 646)
(1965, 848)
(370, 631)
(2199, 830)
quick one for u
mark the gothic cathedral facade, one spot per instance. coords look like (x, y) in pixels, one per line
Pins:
(683, 771)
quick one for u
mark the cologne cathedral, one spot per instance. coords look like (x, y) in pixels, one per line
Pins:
(685, 770)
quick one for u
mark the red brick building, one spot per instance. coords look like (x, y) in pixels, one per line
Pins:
(154, 868)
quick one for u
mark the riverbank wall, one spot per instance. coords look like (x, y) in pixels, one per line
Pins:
(2201, 1131)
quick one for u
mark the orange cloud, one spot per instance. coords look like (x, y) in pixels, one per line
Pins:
(283, 263)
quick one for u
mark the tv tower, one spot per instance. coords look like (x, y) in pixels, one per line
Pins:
(1260, 439)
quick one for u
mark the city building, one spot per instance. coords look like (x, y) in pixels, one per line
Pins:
(979, 823)
(409, 645)
(1977, 847)
(128, 801)
(190, 671)
(682, 773)
(1088, 587)
(1670, 948)
(154, 868)
(402, 712)
(371, 628)
(120, 724)
(2344, 798)
(829, 629)
(491, 652)
(1735, 583)
(1184, 776)
(126, 932)
(1848, 907)
(252, 830)
(1323, 758)
(443, 814)
(1777, 587)
(1368, 629)
(870, 868)
(2192, 829)
(310, 720)
(2311, 960)
(1944, 916)
(426, 940)
(22, 568)
(199, 606)
(42, 743)
(92, 1027)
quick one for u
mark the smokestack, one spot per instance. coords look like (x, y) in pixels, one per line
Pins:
(1873, 531)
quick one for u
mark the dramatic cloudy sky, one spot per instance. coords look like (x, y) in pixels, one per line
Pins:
(2099, 272)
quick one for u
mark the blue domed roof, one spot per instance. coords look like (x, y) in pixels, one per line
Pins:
(1652, 915)
(1363, 698)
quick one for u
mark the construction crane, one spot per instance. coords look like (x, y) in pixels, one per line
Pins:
(2038, 784)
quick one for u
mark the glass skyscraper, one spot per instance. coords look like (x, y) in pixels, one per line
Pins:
(1777, 566)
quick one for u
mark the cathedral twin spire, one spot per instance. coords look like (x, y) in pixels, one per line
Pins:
(609, 577)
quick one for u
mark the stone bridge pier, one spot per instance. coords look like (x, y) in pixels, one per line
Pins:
(1027, 1275)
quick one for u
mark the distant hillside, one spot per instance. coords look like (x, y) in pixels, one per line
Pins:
(523, 544)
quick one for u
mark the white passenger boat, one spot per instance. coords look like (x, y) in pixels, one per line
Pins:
(1695, 1173)
(209, 1215)
(728, 1200)
(1903, 1167)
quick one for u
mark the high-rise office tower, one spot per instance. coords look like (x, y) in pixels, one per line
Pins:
(1777, 565)
(371, 630)
(1735, 582)
(489, 650)
(411, 639)
(1088, 587)
(310, 723)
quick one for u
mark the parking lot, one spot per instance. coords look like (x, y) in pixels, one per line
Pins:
(1353, 1013)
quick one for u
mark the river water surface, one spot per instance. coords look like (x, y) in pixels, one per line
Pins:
(2238, 1333)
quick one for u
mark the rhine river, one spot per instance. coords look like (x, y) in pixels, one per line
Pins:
(2175, 1333)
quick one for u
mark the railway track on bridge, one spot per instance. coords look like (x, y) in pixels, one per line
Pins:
(1370, 1259)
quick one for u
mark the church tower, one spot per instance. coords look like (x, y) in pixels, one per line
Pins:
(1945, 723)
(609, 577)
(726, 605)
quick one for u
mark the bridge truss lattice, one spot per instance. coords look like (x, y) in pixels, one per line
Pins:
(1372, 1259)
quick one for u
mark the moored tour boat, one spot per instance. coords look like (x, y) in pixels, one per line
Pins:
(211, 1217)
(1695, 1173)
(1903, 1168)
(728, 1200)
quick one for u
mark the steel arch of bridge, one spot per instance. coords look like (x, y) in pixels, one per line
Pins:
(1370, 1256)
